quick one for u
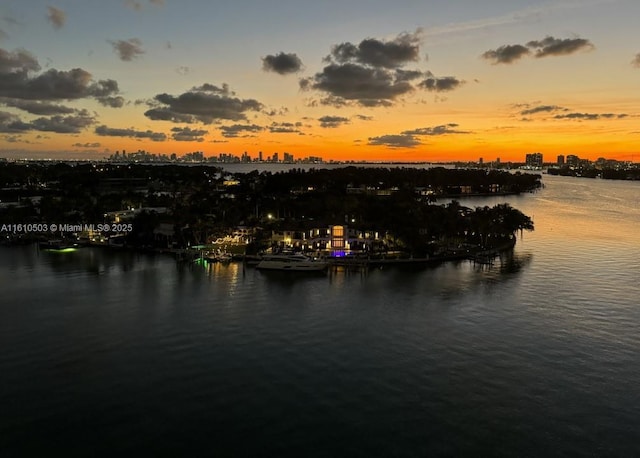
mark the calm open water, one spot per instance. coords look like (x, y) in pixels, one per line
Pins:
(113, 354)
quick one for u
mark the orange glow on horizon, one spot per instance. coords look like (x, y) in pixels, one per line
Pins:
(588, 140)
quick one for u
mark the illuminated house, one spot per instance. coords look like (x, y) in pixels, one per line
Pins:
(338, 238)
(332, 238)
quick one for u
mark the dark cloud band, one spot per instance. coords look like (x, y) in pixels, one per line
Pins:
(548, 46)
(131, 133)
(207, 103)
(395, 141)
(332, 121)
(282, 63)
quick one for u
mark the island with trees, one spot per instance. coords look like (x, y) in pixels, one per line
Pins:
(353, 211)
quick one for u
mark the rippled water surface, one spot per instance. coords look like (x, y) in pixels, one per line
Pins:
(109, 353)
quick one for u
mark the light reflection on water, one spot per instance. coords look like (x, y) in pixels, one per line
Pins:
(535, 354)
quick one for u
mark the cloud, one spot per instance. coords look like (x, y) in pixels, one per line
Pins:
(18, 62)
(113, 102)
(72, 124)
(104, 91)
(17, 82)
(64, 124)
(636, 61)
(207, 87)
(277, 111)
(87, 145)
(591, 116)
(53, 84)
(185, 134)
(550, 46)
(366, 86)
(364, 117)
(506, 54)
(132, 133)
(408, 75)
(285, 127)
(395, 141)
(332, 121)
(378, 53)
(128, 50)
(206, 104)
(37, 107)
(14, 139)
(408, 138)
(166, 114)
(183, 70)
(282, 63)
(542, 109)
(369, 74)
(11, 123)
(443, 129)
(234, 130)
(440, 84)
(56, 17)
(104, 88)
(3, 35)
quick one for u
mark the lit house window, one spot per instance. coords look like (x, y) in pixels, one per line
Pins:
(337, 236)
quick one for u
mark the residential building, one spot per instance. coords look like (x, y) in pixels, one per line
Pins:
(534, 160)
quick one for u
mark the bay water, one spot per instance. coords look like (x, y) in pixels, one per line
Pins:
(106, 353)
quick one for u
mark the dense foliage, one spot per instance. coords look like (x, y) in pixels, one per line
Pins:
(203, 202)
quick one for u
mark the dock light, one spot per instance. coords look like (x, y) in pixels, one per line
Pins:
(270, 216)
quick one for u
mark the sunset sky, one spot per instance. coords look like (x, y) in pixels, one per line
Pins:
(408, 80)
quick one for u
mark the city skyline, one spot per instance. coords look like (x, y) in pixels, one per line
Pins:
(367, 80)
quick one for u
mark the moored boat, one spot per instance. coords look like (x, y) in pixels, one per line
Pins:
(291, 262)
(216, 256)
(57, 245)
(224, 257)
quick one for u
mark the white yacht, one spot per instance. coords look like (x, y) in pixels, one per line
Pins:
(293, 262)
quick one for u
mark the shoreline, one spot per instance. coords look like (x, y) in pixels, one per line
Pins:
(475, 254)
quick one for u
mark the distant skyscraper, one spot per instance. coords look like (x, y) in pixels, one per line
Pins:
(534, 160)
(560, 159)
(572, 160)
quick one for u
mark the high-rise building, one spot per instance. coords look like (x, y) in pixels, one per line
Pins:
(560, 159)
(534, 160)
(572, 160)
